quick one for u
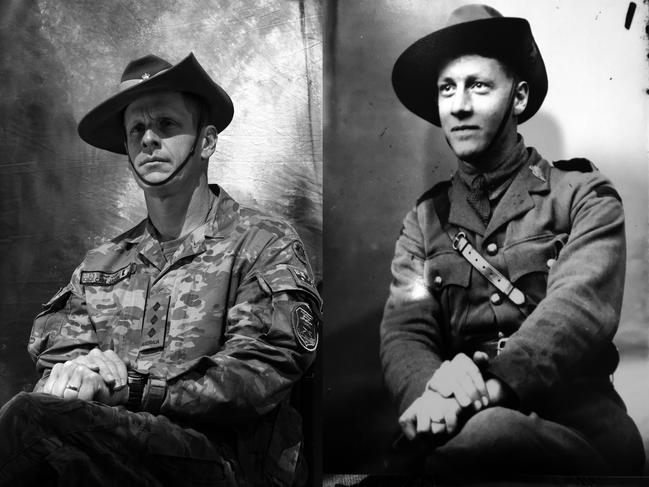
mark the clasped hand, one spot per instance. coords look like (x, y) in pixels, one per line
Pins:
(98, 376)
(456, 385)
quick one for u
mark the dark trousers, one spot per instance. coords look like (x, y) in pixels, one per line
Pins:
(48, 441)
(501, 442)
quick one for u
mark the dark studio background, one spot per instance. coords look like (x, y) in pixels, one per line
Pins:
(60, 197)
(380, 158)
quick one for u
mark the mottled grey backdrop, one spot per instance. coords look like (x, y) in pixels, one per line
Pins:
(59, 197)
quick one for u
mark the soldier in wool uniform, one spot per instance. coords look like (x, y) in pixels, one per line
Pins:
(496, 340)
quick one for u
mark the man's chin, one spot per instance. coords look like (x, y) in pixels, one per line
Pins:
(467, 152)
(148, 179)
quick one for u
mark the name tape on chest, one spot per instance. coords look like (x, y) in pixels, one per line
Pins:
(102, 278)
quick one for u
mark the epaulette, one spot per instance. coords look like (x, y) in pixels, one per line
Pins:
(441, 202)
(439, 187)
(584, 165)
(576, 164)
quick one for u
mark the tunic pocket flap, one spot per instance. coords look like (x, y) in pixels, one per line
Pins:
(447, 268)
(522, 260)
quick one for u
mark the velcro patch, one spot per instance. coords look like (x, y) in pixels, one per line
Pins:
(305, 327)
(300, 275)
(101, 278)
(154, 326)
(298, 248)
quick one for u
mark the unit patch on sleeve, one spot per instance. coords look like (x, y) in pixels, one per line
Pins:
(305, 327)
(101, 278)
(298, 248)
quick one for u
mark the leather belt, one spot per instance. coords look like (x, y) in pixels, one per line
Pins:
(479, 263)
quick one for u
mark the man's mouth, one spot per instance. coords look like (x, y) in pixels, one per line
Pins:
(151, 160)
(464, 128)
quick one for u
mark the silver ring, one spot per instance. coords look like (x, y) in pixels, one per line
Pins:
(72, 388)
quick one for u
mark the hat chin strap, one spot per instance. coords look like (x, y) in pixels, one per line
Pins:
(501, 126)
(178, 169)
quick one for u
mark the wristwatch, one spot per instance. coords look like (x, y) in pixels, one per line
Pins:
(145, 392)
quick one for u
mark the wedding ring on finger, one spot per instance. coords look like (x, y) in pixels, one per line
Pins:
(72, 388)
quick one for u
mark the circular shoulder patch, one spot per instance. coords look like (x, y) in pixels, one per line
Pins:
(305, 327)
(298, 248)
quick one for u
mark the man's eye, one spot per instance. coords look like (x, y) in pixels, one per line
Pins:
(135, 130)
(480, 86)
(166, 122)
(445, 89)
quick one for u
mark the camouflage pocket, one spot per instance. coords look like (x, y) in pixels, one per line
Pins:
(118, 309)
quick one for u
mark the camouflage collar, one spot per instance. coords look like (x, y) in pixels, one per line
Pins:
(222, 217)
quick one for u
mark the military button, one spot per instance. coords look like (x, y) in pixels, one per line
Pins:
(495, 299)
(501, 335)
(437, 283)
(550, 263)
(492, 249)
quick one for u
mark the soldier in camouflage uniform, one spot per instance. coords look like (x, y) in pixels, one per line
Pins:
(496, 340)
(170, 356)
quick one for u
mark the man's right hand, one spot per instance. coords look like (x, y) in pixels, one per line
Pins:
(461, 378)
(430, 413)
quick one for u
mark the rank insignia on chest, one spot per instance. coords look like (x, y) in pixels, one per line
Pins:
(305, 327)
(102, 278)
(154, 327)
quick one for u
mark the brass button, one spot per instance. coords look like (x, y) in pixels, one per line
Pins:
(492, 249)
(550, 263)
(495, 299)
(437, 283)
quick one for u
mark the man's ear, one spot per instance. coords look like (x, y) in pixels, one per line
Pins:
(521, 96)
(208, 141)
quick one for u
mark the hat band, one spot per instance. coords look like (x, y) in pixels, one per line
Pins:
(126, 84)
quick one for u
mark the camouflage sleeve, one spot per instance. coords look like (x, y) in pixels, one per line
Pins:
(62, 330)
(271, 338)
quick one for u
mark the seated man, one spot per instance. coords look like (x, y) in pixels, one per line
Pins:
(170, 356)
(496, 340)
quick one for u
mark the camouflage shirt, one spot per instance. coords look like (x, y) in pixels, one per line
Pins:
(227, 324)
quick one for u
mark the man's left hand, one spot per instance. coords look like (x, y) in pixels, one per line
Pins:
(73, 380)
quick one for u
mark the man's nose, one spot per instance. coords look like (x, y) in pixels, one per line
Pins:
(150, 139)
(461, 105)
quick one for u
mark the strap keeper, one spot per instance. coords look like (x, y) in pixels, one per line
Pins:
(154, 394)
(136, 384)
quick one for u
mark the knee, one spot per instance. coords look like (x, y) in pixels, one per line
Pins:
(16, 408)
(15, 419)
(498, 424)
(26, 408)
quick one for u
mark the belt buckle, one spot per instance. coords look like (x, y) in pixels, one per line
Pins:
(456, 240)
(501, 344)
